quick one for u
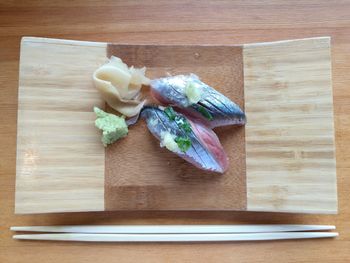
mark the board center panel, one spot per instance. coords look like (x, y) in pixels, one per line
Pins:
(141, 175)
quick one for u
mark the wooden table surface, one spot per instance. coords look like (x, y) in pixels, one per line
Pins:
(224, 22)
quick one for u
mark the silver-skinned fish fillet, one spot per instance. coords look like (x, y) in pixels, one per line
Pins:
(205, 152)
(212, 108)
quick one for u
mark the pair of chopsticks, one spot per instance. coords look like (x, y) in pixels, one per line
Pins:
(174, 233)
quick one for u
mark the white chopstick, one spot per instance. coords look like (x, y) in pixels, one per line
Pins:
(175, 237)
(173, 229)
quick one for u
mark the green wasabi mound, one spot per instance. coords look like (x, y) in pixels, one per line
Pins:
(113, 127)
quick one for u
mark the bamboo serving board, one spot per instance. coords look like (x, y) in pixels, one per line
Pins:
(282, 160)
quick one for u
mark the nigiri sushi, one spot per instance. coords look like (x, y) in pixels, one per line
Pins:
(190, 140)
(198, 100)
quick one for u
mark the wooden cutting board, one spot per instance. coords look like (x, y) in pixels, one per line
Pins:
(282, 160)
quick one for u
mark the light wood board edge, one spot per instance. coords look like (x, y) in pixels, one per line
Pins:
(57, 41)
(282, 170)
(69, 151)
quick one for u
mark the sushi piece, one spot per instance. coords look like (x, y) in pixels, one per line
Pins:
(190, 140)
(198, 100)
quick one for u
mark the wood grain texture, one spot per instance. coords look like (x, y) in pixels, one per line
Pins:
(60, 159)
(179, 22)
(290, 129)
(290, 139)
(140, 175)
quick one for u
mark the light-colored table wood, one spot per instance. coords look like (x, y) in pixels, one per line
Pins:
(225, 22)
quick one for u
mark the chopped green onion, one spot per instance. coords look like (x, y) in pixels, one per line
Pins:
(205, 113)
(169, 111)
(184, 143)
(183, 123)
(186, 126)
